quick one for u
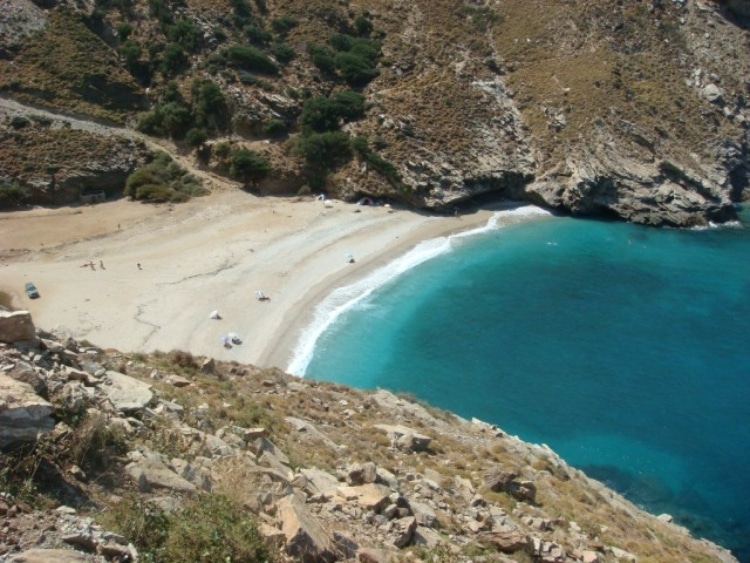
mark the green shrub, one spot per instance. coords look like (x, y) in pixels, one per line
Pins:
(257, 34)
(160, 10)
(196, 136)
(275, 128)
(124, 30)
(222, 150)
(131, 52)
(325, 150)
(319, 114)
(363, 25)
(284, 24)
(355, 69)
(185, 33)
(322, 114)
(241, 8)
(12, 195)
(173, 60)
(251, 59)
(154, 193)
(249, 166)
(162, 180)
(283, 52)
(323, 58)
(349, 104)
(209, 103)
(176, 119)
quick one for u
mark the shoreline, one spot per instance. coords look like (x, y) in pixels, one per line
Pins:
(338, 300)
(211, 253)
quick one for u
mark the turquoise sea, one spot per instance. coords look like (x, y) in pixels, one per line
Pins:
(624, 348)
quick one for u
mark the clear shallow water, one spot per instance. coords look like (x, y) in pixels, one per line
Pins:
(621, 347)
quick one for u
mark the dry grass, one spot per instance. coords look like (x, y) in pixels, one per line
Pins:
(67, 66)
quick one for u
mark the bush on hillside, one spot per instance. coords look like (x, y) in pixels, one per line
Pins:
(283, 52)
(173, 60)
(323, 58)
(12, 195)
(322, 114)
(162, 180)
(186, 34)
(248, 166)
(363, 26)
(211, 527)
(257, 35)
(355, 69)
(325, 150)
(251, 59)
(284, 24)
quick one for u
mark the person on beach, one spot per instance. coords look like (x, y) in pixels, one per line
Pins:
(91, 264)
(101, 264)
(139, 266)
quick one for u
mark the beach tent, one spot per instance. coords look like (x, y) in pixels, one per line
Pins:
(214, 315)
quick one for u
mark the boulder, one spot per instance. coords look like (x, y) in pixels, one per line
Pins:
(16, 326)
(24, 371)
(151, 472)
(306, 539)
(497, 479)
(423, 513)
(403, 531)
(405, 438)
(126, 393)
(24, 415)
(319, 481)
(359, 474)
(506, 542)
(370, 496)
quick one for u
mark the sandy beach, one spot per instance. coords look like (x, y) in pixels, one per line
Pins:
(210, 254)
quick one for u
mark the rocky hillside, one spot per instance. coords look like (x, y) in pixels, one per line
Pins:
(173, 458)
(636, 109)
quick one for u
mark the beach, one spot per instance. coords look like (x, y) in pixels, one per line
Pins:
(140, 278)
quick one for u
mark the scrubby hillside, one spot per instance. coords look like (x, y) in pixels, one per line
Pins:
(634, 109)
(174, 458)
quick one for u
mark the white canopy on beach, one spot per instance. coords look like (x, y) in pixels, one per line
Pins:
(214, 315)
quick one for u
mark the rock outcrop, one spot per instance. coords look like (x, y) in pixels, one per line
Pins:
(24, 415)
(16, 326)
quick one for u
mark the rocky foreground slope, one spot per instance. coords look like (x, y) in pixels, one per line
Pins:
(635, 109)
(114, 457)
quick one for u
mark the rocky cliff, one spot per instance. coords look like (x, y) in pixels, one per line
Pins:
(636, 110)
(169, 457)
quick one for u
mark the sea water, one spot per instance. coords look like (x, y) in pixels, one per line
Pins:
(623, 348)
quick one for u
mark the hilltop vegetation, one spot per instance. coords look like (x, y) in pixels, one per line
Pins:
(637, 110)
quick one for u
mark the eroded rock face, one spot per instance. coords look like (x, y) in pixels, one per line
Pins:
(24, 415)
(16, 326)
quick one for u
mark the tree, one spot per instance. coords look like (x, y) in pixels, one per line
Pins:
(249, 166)
(319, 115)
(325, 150)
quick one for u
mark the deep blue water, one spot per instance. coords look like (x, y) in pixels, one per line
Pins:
(623, 348)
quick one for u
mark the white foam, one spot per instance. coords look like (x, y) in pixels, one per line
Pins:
(345, 298)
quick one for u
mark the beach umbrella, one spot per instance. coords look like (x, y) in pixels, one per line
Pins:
(214, 315)
(224, 340)
(259, 294)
